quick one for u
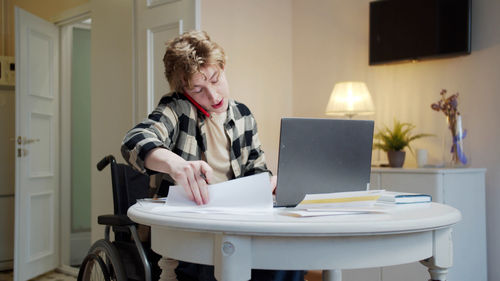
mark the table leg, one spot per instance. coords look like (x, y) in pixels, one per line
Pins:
(442, 256)
(437, 273)
(232, 258)
(168, 267)
(332, 275)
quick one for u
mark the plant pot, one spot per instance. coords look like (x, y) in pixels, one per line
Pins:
(396, 158)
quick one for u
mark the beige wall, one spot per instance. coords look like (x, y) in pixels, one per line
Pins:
(330, 44)
(256, 36)
(46, 9)
(111, 95)
(281, 47)
(259, 73)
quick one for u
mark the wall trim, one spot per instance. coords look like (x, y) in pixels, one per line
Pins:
(65, 148)
(72, 15)
(80, 243)
(6, 265)
(155, 3)
(197, 14)
(69, 270)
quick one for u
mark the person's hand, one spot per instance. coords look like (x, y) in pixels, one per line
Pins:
(274, 182)
(193, 176)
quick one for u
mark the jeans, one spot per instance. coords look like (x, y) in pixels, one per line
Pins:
(199, 272)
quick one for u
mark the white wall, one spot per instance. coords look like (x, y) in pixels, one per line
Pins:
(330, 44)
(111, 95)
(256, 36)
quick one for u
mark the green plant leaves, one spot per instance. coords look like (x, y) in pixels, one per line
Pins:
(396, 139)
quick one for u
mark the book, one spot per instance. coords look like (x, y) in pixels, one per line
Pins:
(395, 197)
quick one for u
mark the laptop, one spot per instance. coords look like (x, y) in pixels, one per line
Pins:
(322, 156)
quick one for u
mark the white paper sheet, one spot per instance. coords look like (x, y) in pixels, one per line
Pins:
(247, 194)
(319, 212)
(307, 213)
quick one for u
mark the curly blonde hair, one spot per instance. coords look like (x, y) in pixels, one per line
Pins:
(187, 54)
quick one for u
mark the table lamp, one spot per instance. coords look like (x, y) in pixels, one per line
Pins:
(350, 99)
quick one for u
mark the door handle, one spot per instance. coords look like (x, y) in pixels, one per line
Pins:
(25, 140)
(29, 141)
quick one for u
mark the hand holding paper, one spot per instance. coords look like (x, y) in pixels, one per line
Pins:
(192, 175)
(252, 192)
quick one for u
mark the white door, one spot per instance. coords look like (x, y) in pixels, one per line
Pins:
(158, 21)
(37, 145)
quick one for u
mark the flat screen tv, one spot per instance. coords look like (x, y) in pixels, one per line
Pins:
(402, 30)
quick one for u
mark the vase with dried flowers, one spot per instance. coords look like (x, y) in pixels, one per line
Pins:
(449, 106)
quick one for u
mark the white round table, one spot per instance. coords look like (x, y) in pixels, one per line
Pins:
(236, 243)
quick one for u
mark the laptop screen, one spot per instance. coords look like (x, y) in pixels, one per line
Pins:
(322, 156)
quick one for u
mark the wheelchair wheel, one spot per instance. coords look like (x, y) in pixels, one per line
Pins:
(102, 263)
(93, 268)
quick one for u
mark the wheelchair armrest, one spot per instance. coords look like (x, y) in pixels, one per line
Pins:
(115, 220)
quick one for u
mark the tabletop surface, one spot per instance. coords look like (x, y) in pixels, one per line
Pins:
(390, 220)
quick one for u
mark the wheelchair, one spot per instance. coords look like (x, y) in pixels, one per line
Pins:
(126, 257)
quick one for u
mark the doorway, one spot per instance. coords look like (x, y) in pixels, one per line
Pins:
(74, 97)
(75, 143)
(76, 192)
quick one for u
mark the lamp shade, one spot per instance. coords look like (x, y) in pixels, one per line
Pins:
(349, 99)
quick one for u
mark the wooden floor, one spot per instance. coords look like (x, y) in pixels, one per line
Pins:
(50, 276)
(313, 275)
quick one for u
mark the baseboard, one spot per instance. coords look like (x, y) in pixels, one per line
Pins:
(69, 270)
(6, 265)
(80, 244)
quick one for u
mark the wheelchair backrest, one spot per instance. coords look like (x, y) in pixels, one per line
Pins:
(128, 184)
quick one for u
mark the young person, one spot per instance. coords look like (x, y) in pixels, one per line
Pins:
(198, 135)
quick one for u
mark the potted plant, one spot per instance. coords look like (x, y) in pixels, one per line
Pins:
(394, 141)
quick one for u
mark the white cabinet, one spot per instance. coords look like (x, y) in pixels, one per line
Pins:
(461, 188)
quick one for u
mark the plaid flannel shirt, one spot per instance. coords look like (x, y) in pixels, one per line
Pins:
(178, 126)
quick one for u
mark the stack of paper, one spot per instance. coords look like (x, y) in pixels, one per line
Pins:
(252, 195)
(340, 199)
(337, 203)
